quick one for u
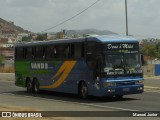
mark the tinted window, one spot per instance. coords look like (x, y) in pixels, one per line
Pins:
(77, 50)
(93, 47)
(19, 53)
(29, 53)
(51, 52)
(39, 52)
(63, 51)
(66, 51)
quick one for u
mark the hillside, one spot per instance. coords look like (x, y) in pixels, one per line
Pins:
(89, 31)
(9, 26)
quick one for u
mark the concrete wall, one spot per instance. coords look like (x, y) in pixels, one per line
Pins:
(8, 63)
(151, 70)
(148, 70)
(7, 76)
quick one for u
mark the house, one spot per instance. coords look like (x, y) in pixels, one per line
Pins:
(6, 47)
(8, 33)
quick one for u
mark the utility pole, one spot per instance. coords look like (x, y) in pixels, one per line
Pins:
(126, 17)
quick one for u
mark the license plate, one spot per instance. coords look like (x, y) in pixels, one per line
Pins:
(126, 89)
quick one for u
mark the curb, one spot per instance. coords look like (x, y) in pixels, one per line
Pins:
(151, 87)
(152, 77)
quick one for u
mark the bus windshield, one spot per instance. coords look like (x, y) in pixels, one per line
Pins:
(132, 62)
(124, 63)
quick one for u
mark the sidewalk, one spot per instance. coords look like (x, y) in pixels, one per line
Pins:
(152, 77)
(152, 82)
(7, 76)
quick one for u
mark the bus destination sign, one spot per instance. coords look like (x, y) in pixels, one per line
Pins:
(122, 46)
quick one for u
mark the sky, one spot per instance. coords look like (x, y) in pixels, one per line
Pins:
(39, 15)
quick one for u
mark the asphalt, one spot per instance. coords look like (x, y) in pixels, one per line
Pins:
(10, 94)
(50, 101)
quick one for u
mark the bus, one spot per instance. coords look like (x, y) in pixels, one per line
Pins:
(107, 65)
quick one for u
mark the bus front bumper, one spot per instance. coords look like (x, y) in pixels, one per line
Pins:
(122, 90)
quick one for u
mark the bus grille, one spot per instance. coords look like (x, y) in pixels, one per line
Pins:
(125, 83)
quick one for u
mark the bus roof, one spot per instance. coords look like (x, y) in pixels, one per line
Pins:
(102, 38)
(116, 38)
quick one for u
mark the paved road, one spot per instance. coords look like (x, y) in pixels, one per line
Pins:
(155, 82)
(10, 94)
(51, 101)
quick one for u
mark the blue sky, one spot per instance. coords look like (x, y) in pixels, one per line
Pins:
(38, 15)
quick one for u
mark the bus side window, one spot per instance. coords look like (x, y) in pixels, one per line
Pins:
(19, 53)
(94, 47)
(72, 51)
(77, 50)
(51, 51)
(59, 51)
(66, 51)
(40, 53)
(29, 53)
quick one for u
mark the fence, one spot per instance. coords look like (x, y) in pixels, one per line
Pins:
(151, 70)
(7, 69)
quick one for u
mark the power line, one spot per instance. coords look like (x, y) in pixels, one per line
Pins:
(72, 16)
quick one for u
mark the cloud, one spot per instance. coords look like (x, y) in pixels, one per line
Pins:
(144, 17)
(37, 15)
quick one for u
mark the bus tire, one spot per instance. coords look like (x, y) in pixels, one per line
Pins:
(29, 86)
(83, 90)
(36, 86)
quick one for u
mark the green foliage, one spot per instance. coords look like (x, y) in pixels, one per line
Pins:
(2, 58)
(41, 37)
(151, 50)
(26, 38)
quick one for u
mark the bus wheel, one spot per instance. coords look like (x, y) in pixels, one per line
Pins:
(29, 86)
(83, 90)
(36, 86)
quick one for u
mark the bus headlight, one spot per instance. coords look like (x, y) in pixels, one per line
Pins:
(105, 84)
(139, 82)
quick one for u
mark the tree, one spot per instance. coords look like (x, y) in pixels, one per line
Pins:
(158, 50)
(26, 39)
(2, 58)
(151, 50)
(41, 37)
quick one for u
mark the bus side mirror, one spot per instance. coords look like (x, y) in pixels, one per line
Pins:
(142, 59)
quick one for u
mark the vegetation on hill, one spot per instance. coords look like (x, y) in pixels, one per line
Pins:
(5, 25)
